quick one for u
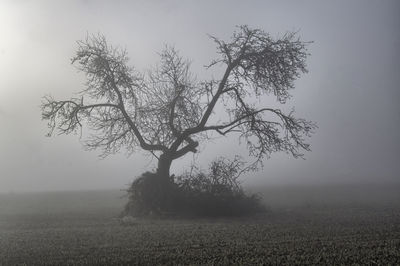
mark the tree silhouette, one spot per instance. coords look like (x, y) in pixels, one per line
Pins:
(167, 111)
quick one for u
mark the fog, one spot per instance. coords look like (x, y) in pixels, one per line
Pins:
(351, 90)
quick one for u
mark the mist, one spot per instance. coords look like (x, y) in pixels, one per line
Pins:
(63, 204)
(351, 90)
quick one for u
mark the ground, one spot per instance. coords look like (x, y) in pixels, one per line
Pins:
(304, 225)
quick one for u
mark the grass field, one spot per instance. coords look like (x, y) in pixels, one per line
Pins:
(304, 225)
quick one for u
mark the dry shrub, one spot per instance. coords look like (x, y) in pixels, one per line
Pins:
(151, 194)
(216, 193)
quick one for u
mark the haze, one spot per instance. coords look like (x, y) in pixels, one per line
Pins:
(351, 90)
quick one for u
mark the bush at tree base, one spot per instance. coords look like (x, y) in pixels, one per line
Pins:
(189, 195)
(151, 193)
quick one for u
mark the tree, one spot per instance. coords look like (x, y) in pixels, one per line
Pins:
(167, 111)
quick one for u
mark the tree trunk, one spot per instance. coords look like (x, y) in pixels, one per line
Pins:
(164, 164)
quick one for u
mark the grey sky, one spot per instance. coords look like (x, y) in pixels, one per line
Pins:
(351, 90)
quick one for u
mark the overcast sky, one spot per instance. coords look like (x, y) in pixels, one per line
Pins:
(351, 90)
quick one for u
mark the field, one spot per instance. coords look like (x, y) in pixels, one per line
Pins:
(304, 225)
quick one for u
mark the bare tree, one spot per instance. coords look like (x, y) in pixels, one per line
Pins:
(167, 111)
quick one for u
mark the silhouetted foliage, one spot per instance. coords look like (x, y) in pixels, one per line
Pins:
(152, 194)
(216, 193)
